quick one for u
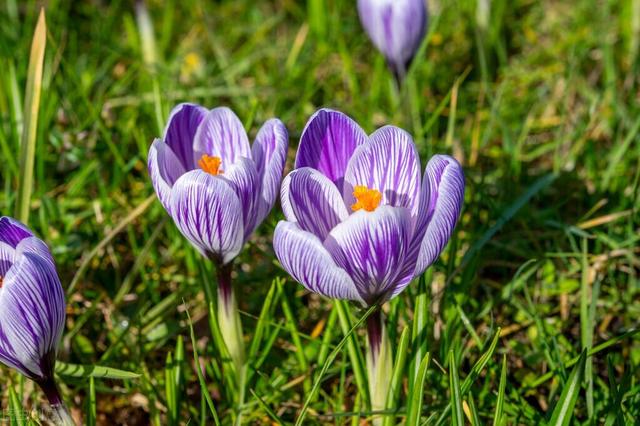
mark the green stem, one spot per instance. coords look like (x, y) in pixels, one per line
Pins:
(231, 329)
(379, 362)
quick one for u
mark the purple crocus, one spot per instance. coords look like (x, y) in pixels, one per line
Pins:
(218, 189)
(396, 28)
(360, 223)
(32, 309)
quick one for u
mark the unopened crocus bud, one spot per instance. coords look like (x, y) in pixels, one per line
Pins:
(396, 28)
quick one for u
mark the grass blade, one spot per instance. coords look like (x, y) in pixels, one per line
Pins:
(457, 416)
(31, 109)
(497, 417)
(415, 402)
(201, 380)
(355, 354)
(328, 362)
(92, 405)
(396, 376)
(563, 412)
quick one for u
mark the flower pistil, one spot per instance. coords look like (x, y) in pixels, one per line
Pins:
(210, 164)
(366, 199)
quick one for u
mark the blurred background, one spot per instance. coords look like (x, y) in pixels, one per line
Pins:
(538, 100)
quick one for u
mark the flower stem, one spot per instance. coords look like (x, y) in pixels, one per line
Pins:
(231, 329)
(379, 362)
(60, 412)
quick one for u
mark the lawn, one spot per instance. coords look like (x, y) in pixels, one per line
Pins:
(538, 101)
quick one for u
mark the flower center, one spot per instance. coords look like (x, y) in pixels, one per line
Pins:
(367, 199)
(1, 280)
(210, 165)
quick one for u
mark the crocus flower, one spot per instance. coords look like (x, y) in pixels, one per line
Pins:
(361, 223)
(218, 189)
(32, 309)
(396, 28)
(215, 186)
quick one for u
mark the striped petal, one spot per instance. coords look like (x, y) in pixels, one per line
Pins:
(371, 247)
(243, 178)
(208, 213)
(313, 201)
(32, 315)
(7, 257)
(13, 231)
(328, 142)
(164, 168)
(222, 135)
(304, 257)
(442, 197)
(396, 28)
(181, 129)
(389, 163)
(269, 152)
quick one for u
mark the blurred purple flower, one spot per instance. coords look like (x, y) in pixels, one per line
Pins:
(396, 28)
(360, 223)
(215, 186)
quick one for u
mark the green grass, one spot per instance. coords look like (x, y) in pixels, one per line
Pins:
(540, 105)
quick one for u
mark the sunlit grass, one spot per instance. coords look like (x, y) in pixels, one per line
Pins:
(540, 106)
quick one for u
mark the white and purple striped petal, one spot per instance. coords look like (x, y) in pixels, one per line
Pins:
(303, 256)
(390, 164)
(269, 152)
(209, 214)
(371, 247)
(313, 201)
(164, 168)
(32, 305)
(181, 129)
(442, 198)
(13, 231)
(221, 135)
(243, 178)
(328, 142)
(396, 28)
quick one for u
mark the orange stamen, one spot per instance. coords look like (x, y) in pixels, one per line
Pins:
(367, 199)
(210, 165)
(1, 280)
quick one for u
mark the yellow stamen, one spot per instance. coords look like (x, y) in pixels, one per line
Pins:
(210, 165)
(367, 199)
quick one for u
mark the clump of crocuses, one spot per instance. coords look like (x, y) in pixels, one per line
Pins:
(396, 28)
(218, 189)
(32, 310)
(361, 224)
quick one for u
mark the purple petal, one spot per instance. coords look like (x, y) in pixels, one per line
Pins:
(13, 231)
(181, 129)
(7, 257)
(389, 163)
(371, 247)
(396, 28)
(222, 135)
(304, 257)
(164, 169)
(243, 178)
(328, 142)
(269, 152)
(32, 315)
(442, 197)
(314, 201)
(208, 213)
